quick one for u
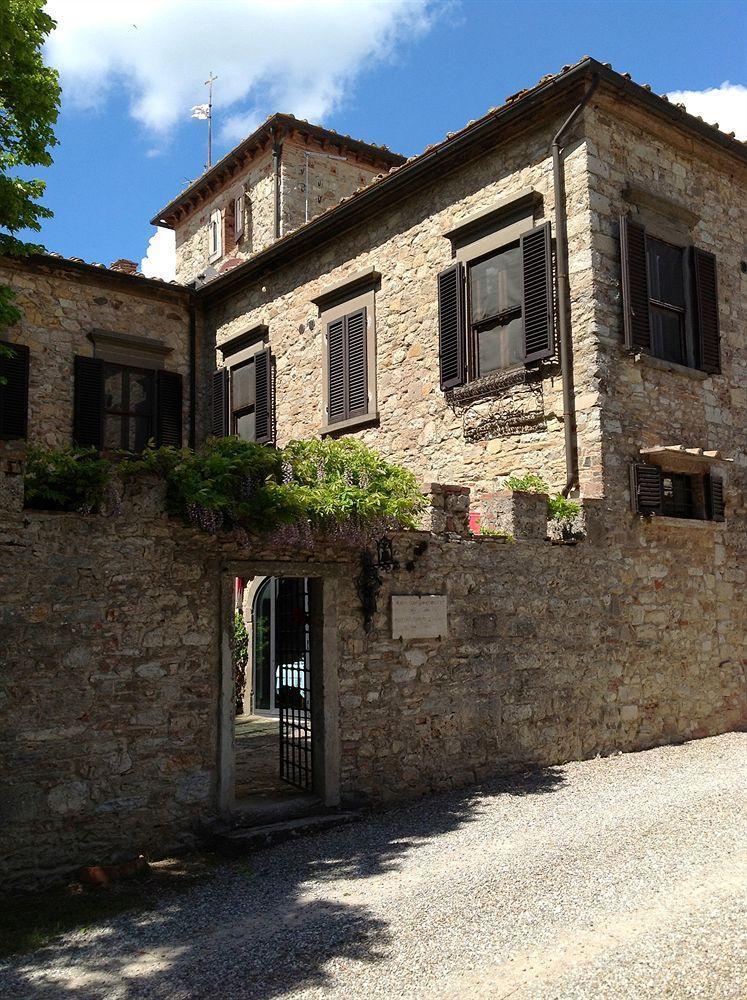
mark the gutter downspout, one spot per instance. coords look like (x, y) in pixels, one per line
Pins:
(192, 367)
(277, 151)
(564, 295)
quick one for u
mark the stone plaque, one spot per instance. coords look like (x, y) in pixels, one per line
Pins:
(419, 617)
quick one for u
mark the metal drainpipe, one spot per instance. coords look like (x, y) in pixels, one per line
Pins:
(277, 151)
(564, 294)
(192, 367)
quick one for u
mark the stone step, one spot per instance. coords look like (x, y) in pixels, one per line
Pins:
(237, 840)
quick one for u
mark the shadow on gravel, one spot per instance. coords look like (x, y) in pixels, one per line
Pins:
(274, 923)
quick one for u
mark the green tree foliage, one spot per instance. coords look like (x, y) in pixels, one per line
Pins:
(29, 102)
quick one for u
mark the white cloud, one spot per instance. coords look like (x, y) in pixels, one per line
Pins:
(298, 56)
(160, 257)
(725, 105)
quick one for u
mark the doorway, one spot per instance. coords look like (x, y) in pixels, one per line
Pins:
(279, 741)
(274, 726)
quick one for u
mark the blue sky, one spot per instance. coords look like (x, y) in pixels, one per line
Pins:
(401, 73)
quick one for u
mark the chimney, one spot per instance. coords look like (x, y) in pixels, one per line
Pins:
(125, 266)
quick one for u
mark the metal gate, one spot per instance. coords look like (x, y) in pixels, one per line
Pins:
(293, 674)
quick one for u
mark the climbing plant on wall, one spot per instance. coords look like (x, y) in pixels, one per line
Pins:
(339, 489)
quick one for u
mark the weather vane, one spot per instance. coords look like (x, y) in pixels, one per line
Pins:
(204, 112)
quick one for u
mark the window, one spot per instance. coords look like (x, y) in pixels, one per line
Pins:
(347, 393)
(129, 408)
(496, 311)
(14, 391)
(243, 397)
(676, 494)
(670, 299)
(238, 217)
(215, 241)
(347, 311)
(496, 328)
(121, 407)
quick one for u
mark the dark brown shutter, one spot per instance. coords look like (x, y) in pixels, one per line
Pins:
(357, 376)
(451, 336)
(88, 407)
(705, 283)
(336, 372)
(636, 320)
(646, 489)
(537, 298)
(263, 400)
(219, 404)
(714, 495)
(14, 392)
(168, 409)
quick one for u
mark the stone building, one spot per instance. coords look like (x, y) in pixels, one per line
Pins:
(559, 288)
(284, 174)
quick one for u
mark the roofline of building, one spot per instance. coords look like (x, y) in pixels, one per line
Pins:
(102, 275)
(276, 125)
(474, 139)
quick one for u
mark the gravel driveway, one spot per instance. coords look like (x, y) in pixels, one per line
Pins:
(616, 878)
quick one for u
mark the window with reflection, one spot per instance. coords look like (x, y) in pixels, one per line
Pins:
(496, 329)
(129, 405)
(243, 401)
(667, 299)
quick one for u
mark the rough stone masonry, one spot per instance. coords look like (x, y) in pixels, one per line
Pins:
(112, 631)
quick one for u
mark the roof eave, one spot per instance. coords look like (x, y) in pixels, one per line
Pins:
(277, 124)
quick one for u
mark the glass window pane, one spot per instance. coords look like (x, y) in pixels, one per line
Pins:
(667, 335)
(112, 432)
(140, 432)
(665, 275)
(140, 392)
(495, 284)
(500, 346)
(112, 389)
(242, 386)
(245, 426)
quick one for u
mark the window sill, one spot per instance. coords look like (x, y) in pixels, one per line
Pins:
(684, 522)
(364, 420)
(650, 361)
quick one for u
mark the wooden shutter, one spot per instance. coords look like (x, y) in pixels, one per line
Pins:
(714, 495)
(636, 319)
(14, 392)
(356, 367)
(646, 489)
(451, 336)
(219, 404)
(263, 399)
(168, 409)
(88, 405)
(238, 215)
(706, 309)
(537, 298)
(336, 372)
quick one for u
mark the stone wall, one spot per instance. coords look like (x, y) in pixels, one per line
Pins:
(61, 306)
(555, 652)
(111, 629)
(417, 425)
(330, 180)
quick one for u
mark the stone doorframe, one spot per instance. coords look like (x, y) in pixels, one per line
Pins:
(324, 588)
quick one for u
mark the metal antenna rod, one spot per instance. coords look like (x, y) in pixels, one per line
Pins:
(209, 85)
